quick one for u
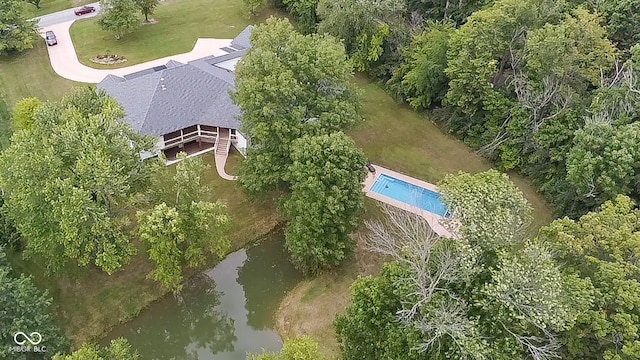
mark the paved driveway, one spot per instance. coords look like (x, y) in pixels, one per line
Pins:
(65, 16)
(65, 63)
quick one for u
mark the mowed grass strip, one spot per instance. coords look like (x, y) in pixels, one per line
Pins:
(179, 25)
(88, 302)
(396, 137)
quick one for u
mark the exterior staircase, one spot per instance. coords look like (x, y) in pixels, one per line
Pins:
(223, 142)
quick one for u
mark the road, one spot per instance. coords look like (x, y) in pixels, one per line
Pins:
(64, 16)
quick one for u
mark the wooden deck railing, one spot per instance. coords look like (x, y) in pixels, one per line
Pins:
(194, 135)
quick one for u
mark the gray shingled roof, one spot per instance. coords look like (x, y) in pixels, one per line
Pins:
(243, 40)
(174, 96)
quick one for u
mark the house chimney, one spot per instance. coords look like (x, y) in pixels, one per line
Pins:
(162, 84)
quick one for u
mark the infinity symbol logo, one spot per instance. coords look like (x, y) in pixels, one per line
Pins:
(27, 338)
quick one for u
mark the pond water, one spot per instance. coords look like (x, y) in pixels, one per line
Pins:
(221, 314)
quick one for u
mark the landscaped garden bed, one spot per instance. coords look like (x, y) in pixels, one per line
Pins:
(107, 59)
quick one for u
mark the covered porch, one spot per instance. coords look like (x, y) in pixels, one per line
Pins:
(199, 139)
(191, 148)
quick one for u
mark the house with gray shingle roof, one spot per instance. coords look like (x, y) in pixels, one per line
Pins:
(188, 107)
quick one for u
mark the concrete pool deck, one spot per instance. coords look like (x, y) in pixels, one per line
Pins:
(435, 221)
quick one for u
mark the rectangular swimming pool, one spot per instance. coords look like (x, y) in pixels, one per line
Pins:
(410, 194)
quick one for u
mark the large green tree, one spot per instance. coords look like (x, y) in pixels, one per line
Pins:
(326, 200)
(17, 33)
(69, 180)
(289, 85)
(182, 229)
(119, 16)
(604, 161)
(118, 349)
(147, 7)
(488, 294)
(370, 328)
(603, 247)
(492, 209)
(574, 51)
(25, 308)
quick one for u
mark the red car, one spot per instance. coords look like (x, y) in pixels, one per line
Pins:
(84, 10)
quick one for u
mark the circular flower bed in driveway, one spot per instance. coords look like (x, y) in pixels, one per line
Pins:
(109, 59)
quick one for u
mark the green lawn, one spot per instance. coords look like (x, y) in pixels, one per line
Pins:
(30, 74)
(234, 159)
(179, 25)
(88, 303)
(51, 6)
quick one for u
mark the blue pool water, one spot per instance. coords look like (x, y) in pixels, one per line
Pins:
(410, 194)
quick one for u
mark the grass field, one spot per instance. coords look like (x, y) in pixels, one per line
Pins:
(233, 161)
(30, 74)
(172, 34)
(88, 303)
(395, 137)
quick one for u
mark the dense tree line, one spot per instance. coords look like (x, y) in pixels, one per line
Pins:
(528, 84)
